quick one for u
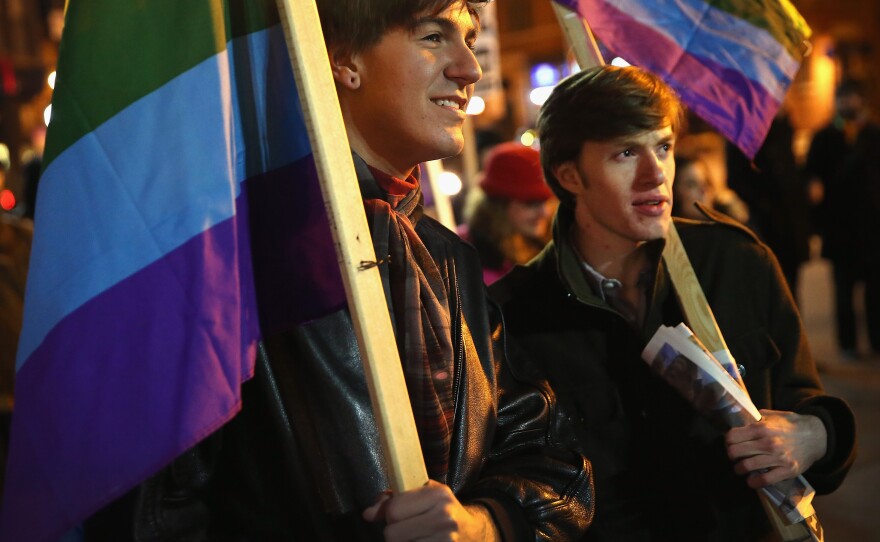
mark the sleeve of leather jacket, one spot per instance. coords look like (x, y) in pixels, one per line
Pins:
(796, 385)
(535, 486)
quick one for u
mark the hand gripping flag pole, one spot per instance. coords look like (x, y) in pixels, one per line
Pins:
(690, 294)
(363, 287)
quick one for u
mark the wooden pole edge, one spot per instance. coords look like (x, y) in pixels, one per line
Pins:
(580, 38)
(363, 287)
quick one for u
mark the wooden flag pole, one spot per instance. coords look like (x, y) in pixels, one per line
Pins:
(354, 247)
(690, 294)
(580, 38)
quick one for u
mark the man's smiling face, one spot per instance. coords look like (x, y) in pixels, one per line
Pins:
(414, 87)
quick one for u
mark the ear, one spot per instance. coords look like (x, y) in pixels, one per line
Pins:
(569, 177)
(345, 68)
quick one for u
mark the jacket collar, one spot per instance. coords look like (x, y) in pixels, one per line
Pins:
(369, 187)
(571, 274)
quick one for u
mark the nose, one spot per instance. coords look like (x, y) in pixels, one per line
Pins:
(546, 209)
(652, 169)
(464, 68)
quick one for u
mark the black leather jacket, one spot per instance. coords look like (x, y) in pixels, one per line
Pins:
(302, 459)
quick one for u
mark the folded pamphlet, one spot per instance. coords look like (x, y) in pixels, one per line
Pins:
(716, 390)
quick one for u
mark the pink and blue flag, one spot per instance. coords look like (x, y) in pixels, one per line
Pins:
(731, 61)
(179, 218)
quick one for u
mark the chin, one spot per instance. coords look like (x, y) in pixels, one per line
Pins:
(662, 232)
(446, 150)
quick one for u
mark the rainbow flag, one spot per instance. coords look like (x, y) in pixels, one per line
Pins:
(179, 207)
(731, 61)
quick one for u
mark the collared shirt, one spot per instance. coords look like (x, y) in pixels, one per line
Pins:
(609, 290)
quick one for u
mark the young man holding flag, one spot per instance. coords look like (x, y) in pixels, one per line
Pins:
(302, 460)
(591, 301)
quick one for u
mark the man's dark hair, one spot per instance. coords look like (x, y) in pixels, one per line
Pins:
(355, 25)
(601, 104)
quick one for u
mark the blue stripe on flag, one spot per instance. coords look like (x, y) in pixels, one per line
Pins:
(714, 34)
(124, 381)
(135, 204)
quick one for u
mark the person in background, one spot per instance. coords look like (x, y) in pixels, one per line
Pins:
(692, 186)
(586, 307)
(775, 191)
(510, 222)
(841, 168)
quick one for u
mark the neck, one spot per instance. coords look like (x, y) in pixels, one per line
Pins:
(378, 161)
(623, 262)
(386, 162)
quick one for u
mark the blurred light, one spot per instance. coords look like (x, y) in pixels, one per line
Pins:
(619, 62)
(7, 200)
(545, 75)
(47, 114)
(51, 80)
(528, 138)
(476, 105)
(449, 183)
(5, 158)
(539, 95)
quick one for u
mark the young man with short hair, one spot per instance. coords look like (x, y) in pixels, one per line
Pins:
(586, 307)
(303, 461)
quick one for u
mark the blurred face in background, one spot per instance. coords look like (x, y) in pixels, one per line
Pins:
(692, 186)
(531, 218)
(849, 105)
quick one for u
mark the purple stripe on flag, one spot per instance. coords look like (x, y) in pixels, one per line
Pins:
(738, 107)
(105, 401)
(113, 367)
(295, 264)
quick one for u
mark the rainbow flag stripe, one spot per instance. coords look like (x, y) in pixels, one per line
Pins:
(731, 61)
(179, 216)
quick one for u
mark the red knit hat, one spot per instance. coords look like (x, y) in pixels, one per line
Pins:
(513, 171)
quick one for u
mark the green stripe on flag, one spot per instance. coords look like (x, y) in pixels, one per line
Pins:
(778, 17)
(115, 52)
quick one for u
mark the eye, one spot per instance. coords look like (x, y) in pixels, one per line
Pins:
(627, 153)
(664, 150)
(434, 37)
(472, 45)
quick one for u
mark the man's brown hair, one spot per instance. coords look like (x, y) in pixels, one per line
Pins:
(601, 104)
(355, 25)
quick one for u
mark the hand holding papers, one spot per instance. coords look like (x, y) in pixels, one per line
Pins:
(717, 392)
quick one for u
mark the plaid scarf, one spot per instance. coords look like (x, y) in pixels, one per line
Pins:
(419, 306)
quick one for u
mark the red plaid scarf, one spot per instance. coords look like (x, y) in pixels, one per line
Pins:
(420, 308)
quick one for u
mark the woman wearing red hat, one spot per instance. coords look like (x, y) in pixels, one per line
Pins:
(510, 223)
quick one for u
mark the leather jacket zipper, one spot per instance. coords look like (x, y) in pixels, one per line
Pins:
(459, 355)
